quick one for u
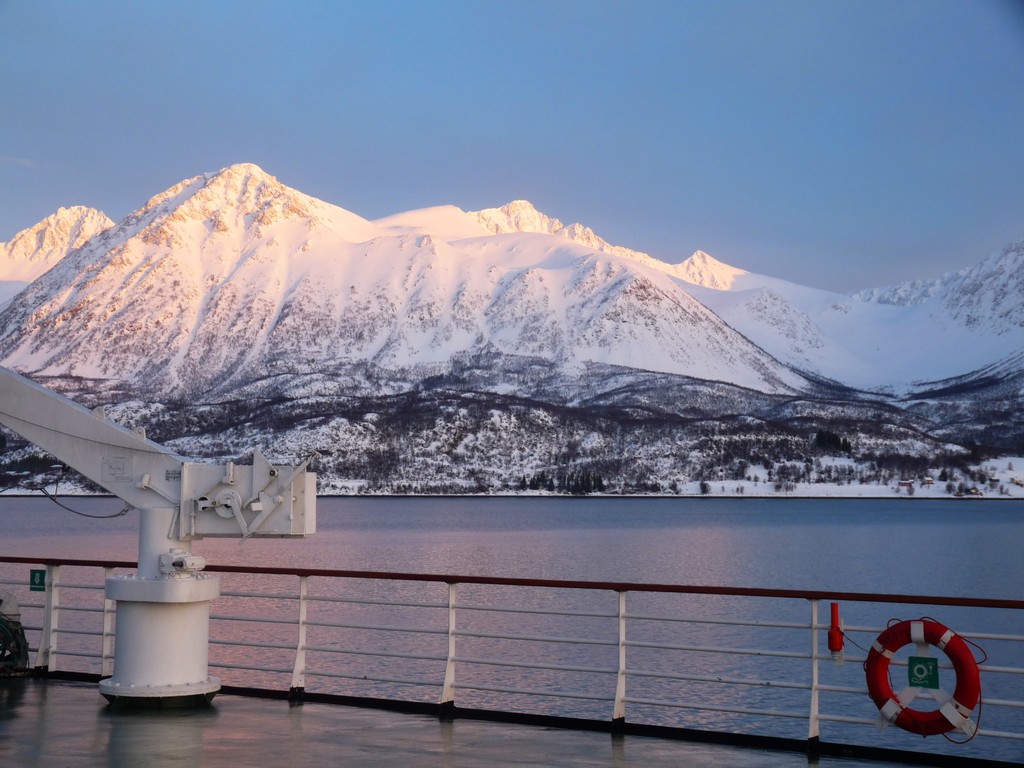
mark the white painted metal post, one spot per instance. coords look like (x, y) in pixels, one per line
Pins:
(46, 654)
(448, 691)
(299, 670)
(619, 711)
(107, 654)
(813, 726)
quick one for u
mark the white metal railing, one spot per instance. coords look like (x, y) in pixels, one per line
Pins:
(678, 659)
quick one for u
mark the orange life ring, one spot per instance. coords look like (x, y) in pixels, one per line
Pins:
(954, 713)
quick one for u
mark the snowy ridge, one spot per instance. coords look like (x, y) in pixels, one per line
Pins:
(521, 216)
(987, 294)
(230, 276)
(708, 272)
(34, 250)
(891, 339)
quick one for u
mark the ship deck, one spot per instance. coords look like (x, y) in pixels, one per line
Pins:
(64, 723)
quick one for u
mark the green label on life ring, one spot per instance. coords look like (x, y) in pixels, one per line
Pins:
(923, 672)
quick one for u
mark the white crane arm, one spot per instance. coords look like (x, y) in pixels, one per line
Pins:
(111, 456)
(212, 500)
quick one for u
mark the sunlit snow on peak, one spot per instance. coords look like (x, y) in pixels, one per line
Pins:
(237, 259)
(704, 270)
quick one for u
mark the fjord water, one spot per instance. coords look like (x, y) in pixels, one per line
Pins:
(969, 548)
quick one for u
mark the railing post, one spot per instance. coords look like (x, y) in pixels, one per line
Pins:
(107, 653)
(448, 691)
(46, 655)
(619, 711)
(298, 686)
(814, 723)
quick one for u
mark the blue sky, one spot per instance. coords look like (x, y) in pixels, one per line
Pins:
(836, 144)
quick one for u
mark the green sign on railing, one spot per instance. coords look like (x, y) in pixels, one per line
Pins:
(923, 672)
(37, 580)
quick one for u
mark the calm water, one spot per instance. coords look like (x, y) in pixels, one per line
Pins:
(961, 548)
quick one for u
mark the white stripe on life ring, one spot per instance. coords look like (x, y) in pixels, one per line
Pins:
(891, 710)
(917, 632)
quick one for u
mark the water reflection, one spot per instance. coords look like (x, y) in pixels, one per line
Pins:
(158, 738)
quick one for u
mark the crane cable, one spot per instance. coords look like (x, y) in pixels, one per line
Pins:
(53, 497)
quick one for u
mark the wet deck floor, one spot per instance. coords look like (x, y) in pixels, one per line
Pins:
(56, 724)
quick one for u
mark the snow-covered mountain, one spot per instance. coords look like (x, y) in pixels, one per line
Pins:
(987, 296)
(895, 339)
(441, 349)
(892, 339)
(233, 277)
(33, 251)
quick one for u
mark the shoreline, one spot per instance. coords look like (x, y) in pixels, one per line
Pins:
(604, 496)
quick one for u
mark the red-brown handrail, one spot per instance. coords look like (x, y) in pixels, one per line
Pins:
(615, 586)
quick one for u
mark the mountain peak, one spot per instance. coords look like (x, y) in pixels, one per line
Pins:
(244, 186)
(244, 170)
(707, 271)
(522, 216)
(242, 199)
(34, 250)
(517, 216)
(245, 181)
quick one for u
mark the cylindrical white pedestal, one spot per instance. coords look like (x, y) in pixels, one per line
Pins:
(162, 638)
